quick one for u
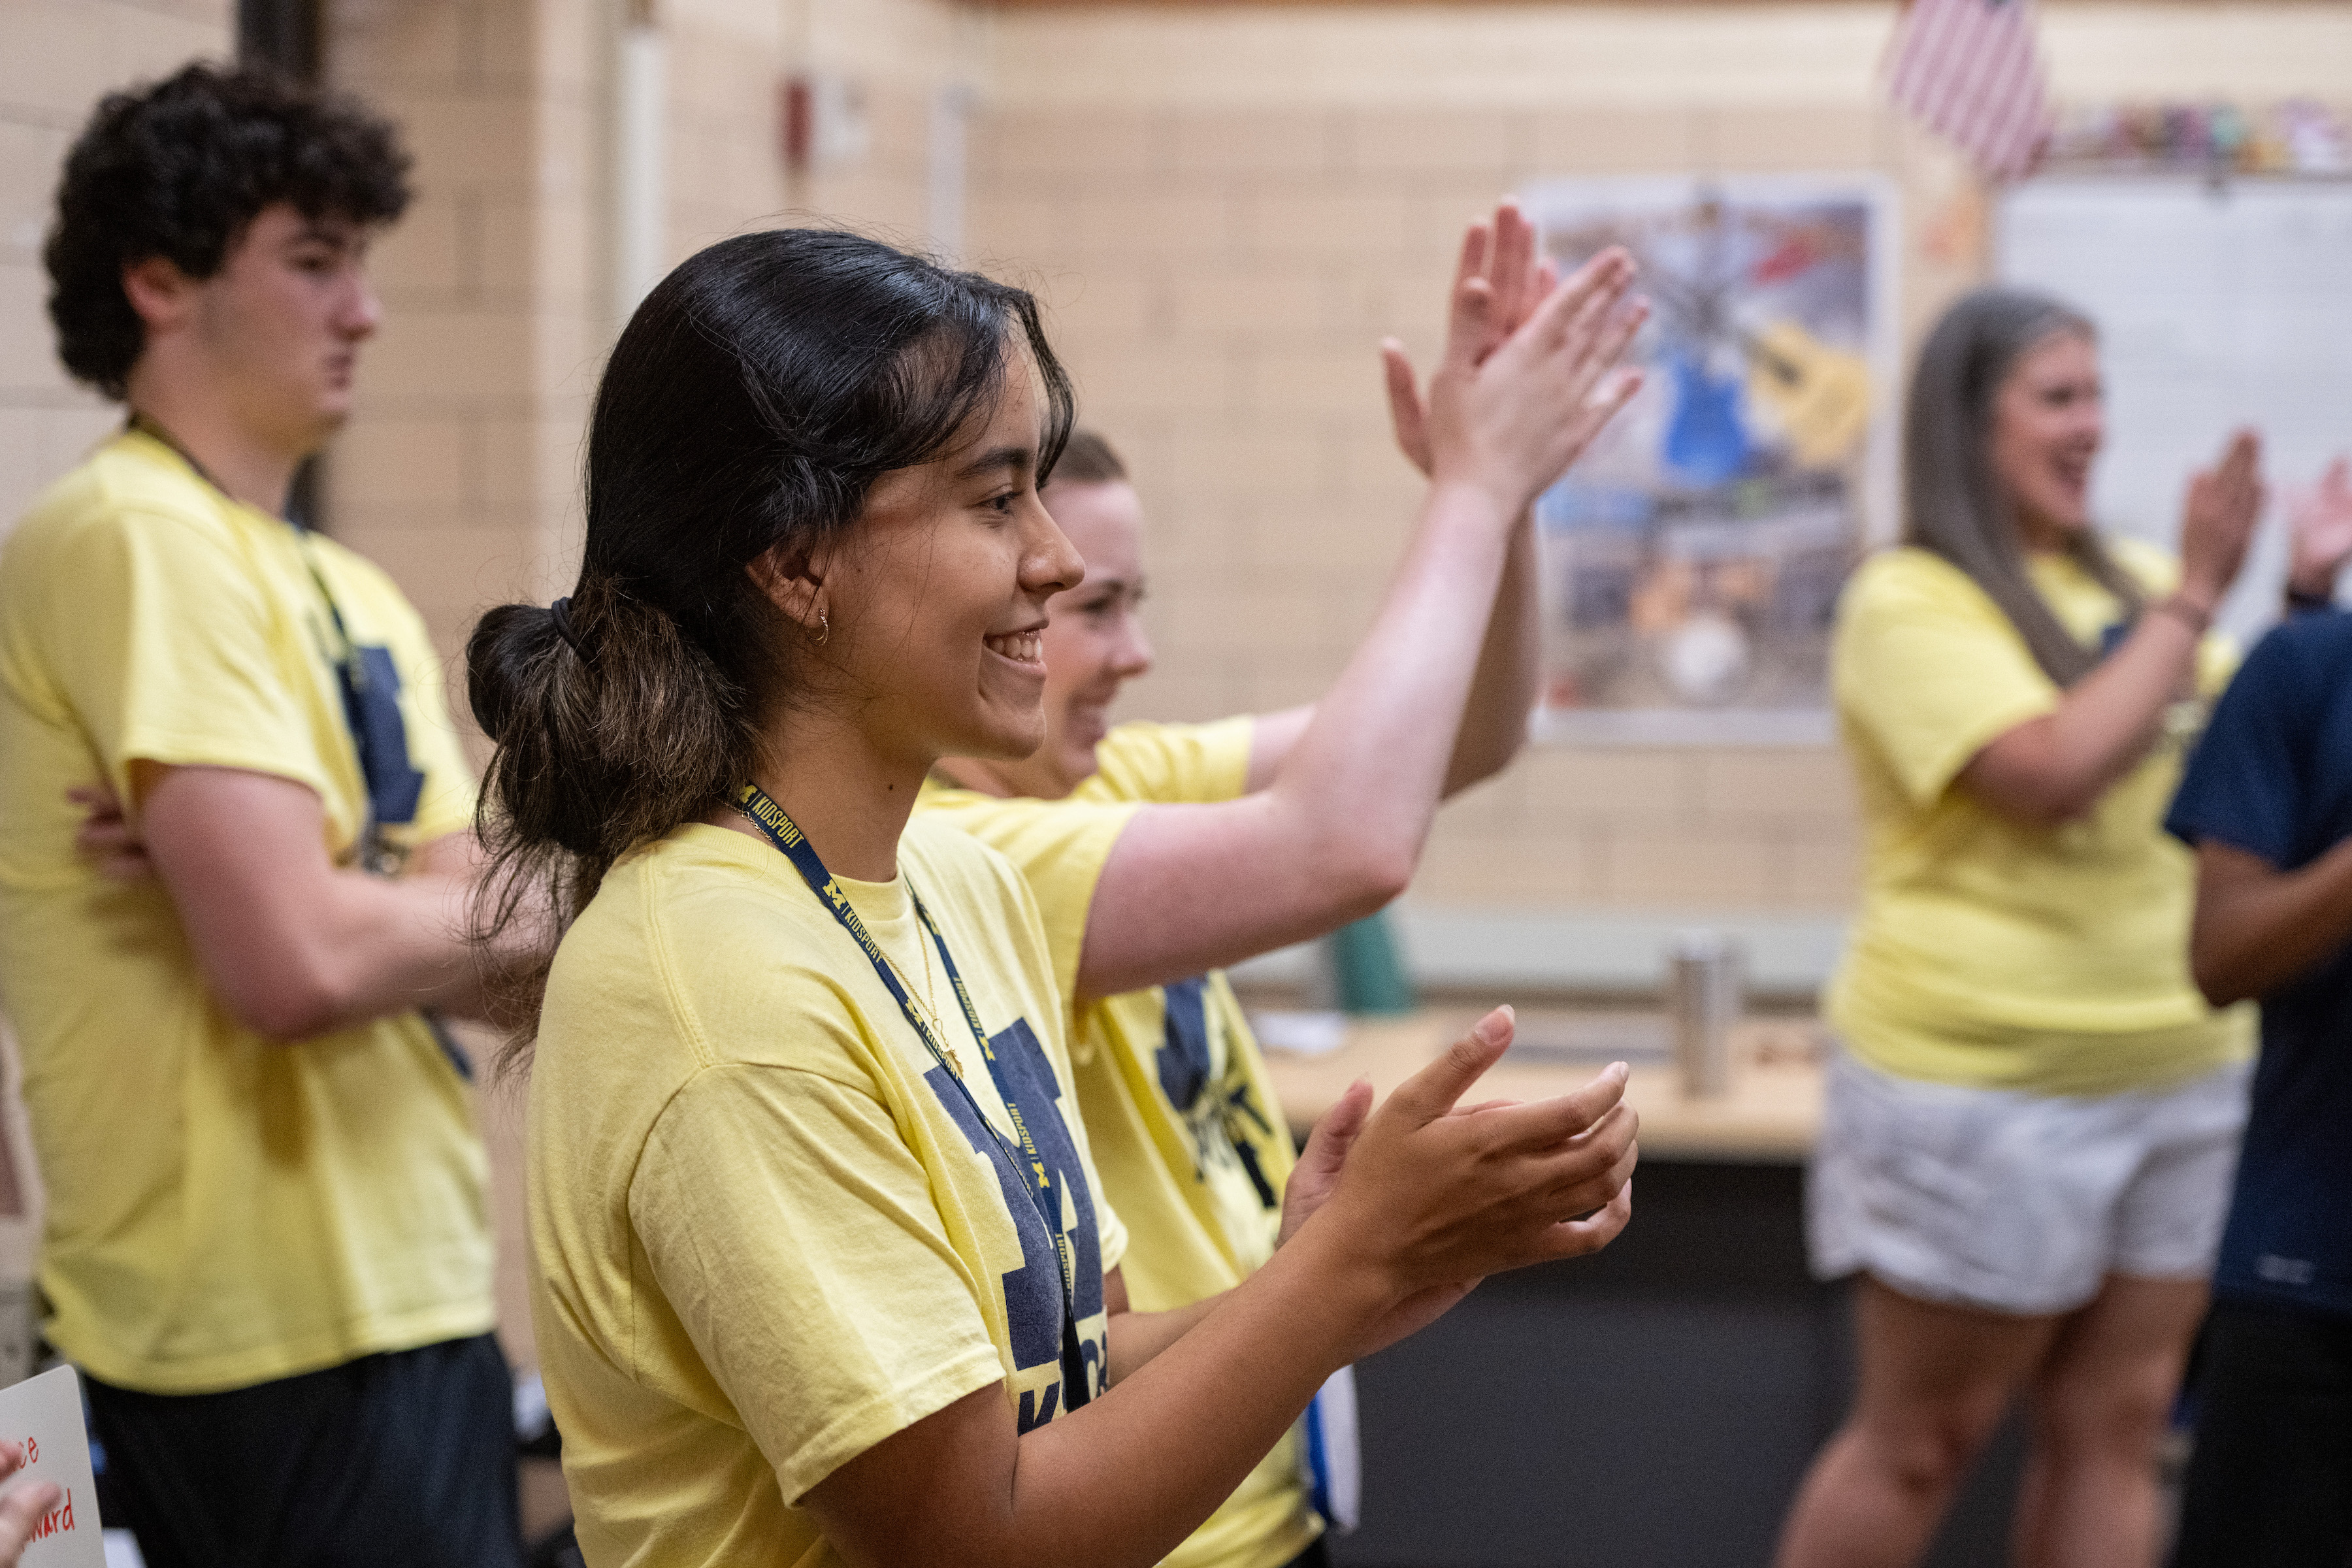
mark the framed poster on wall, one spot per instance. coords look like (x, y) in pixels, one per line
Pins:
(1691, 559)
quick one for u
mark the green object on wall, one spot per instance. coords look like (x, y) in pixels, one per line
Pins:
(1368, 971)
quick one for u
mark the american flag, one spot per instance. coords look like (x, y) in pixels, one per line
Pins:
(1968, 69)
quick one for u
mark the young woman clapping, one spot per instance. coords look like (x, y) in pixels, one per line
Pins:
(819, 1272)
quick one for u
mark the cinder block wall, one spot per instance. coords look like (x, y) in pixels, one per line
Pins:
(1228, 206)
(460, 470)
(57, 58)
(1227, 209)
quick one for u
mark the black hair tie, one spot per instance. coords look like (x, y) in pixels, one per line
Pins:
(561, 611)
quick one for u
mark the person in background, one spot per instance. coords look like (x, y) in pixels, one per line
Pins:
(265, 1240)
(2026, 1146)
(824, 1271)
(2266, 804)
(1134, 839)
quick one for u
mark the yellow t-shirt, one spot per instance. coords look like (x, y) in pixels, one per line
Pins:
(222, 1211)
(1185, 1125)
(1987, 952)
(767, 1231)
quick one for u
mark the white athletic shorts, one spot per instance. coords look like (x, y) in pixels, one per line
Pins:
(2019, 1203)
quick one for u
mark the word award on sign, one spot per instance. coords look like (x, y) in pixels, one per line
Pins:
(44, 1416)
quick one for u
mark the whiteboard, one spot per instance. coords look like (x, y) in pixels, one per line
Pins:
(2218, 305)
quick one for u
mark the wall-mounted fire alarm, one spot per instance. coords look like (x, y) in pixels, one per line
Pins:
(824, 125)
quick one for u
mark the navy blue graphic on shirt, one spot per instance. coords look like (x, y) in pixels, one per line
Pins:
(1184, 1054)
(1225, 1122)
(1033, 1292)
(380, 736)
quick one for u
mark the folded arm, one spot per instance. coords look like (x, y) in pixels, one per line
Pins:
(2053, 768)
(293, 944)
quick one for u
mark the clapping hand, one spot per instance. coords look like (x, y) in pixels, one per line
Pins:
(1583, 1142)
(2217, 520)
(1498, 283)
(2321, 531)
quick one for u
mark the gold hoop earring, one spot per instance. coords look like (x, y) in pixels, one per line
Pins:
(824, 628)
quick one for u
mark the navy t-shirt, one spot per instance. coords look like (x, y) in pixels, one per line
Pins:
(2272, 776)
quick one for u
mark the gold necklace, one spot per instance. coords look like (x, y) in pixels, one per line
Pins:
(930, 998)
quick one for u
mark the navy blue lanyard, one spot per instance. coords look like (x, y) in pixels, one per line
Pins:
(1030, 1173)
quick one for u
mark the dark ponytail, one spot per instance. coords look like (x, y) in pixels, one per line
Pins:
(751, 404)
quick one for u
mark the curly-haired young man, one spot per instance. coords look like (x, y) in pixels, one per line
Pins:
(266, 1242)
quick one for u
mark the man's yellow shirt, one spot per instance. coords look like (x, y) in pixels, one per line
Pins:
(222, 1210)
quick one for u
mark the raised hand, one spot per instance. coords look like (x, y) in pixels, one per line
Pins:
(1512, 421)
(2321, 533)
(1498, 283)
(2218, 519)
(1432, 1200)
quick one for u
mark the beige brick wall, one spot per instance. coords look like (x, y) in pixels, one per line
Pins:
(57, 57)
(1221, 269)
(1227, 207)
(458, 469)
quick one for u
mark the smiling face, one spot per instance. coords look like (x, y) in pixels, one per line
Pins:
(1095, 641)
(2049, 419)
(936, 600)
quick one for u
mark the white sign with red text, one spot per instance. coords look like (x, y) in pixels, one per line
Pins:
(44, 1414)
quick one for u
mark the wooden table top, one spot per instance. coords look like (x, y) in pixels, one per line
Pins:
(1771, 1115)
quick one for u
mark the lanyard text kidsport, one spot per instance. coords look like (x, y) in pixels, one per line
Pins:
(1028, 1167)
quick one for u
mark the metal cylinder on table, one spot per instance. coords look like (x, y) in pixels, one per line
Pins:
(1704, 993)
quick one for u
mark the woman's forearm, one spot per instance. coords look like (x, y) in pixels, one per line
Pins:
(1510, 670)
(1364, 779)
(1134, 1337)
(1339, 830)
(2054, 768)
(1119, 1482)
(1245, 1370)
(1433, 1195)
